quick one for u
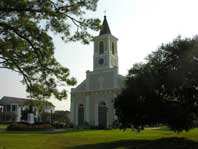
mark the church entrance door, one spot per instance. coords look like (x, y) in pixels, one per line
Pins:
(80, 115)
(102, 115)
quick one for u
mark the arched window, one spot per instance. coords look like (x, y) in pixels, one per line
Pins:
(102, 115)
(101, 47)
(113, 48)
(80, 114)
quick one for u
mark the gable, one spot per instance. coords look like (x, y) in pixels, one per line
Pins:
(81, 86)
(102, 80)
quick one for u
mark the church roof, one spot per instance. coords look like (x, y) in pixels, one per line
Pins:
(105, 27)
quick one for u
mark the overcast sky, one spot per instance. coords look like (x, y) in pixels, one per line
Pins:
(140, 25)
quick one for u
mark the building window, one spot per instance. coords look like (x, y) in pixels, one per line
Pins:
(113, 48)
(101, 61)
(81, 114)
(102, 115)
(101, 48)
(13, 108)
(8, 108)
(1, 108)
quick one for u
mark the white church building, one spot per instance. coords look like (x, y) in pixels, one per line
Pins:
(92, 101)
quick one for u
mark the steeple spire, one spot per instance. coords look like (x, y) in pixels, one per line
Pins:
(105, 27)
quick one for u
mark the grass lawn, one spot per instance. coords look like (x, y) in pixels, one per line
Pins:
(101, 139)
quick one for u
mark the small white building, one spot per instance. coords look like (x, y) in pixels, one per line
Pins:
(92, 101)
(15, 106)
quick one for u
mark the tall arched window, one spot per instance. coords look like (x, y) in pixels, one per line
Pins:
(80, 114)
(101, 47)
(113, 48)
(102, 115)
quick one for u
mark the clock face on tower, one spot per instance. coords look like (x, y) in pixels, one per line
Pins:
(101, 61)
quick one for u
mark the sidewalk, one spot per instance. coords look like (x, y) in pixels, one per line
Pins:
(39, 131)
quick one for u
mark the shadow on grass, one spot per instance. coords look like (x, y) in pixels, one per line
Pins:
(164, 143)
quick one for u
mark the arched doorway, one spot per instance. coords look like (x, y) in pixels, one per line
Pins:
(80, 114)
(102, 115)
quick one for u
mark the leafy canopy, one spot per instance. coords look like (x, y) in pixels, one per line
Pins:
(26, 46)
(163, 90)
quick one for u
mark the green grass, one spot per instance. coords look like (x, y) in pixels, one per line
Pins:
(101, 139)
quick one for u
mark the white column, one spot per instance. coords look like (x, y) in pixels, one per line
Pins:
(30, 118)
(18, 112)
(76, 114)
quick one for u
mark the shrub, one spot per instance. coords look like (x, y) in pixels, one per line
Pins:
(59, 125)
(115, 124)
(46, 117)
(28, 127)
(61, 117)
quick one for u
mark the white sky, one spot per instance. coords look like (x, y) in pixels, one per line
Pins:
(140, 25)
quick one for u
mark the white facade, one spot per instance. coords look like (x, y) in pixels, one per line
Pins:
(92, 101)
(15, 106)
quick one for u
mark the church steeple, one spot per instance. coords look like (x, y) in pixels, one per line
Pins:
(105, 27)
(105, 49)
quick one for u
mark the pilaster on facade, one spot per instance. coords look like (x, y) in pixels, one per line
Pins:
(72, 114)
(96, 114)
(87, 109)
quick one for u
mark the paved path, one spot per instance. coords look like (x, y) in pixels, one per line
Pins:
(44, 131)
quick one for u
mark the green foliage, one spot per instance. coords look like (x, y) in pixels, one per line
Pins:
(3, 126)
(46, 117)
(164, 90)
(39, 104)
(61, 117)
(24, 114)
(26, 46)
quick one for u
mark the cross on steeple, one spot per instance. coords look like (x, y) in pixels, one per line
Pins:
(105, 12)
(105, 27)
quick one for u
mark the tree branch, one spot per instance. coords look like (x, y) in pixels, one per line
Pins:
(26, 78)
(66, 8)
(27, 40)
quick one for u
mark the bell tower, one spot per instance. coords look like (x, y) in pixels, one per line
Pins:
(92, 101)
(105, 49)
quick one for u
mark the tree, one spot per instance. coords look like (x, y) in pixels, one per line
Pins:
(163, 90)
(42, 107)
(61, 117)
(26, 46)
